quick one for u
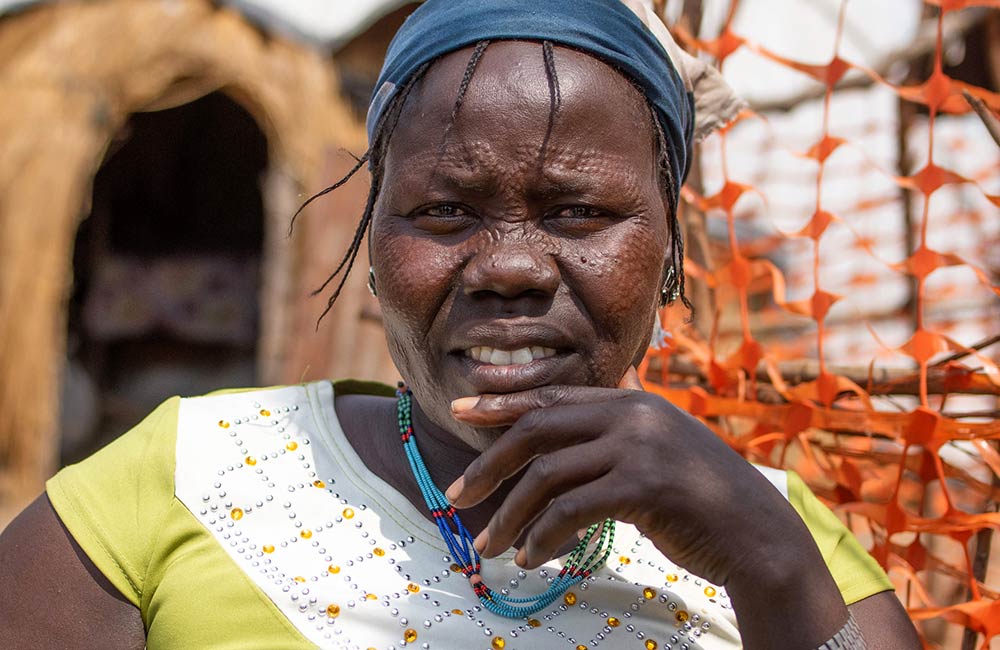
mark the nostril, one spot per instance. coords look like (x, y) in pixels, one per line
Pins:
(512, 273)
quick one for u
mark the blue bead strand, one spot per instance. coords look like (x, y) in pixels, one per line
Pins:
(579, 564)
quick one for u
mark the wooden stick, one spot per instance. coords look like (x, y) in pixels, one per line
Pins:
(990, 120)
(881, 381)
(985, 343)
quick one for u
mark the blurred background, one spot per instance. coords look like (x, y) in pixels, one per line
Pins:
(843, 244)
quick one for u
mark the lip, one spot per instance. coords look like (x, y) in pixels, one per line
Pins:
(484, 378)
(511, 334)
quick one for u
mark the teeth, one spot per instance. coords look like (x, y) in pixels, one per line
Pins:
(521, 356)
(500, 358)
(496, 357)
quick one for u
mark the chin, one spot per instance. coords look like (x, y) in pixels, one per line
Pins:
(483, 439)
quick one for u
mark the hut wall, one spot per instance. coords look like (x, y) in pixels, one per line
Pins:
(70, 74)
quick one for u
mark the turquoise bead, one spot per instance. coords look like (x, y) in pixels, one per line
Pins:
(459, 540)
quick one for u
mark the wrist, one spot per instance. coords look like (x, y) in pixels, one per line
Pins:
(786, 585)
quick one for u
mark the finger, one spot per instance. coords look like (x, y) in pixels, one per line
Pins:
(630, 380)
(547, 477)
(539, 432)
(578, 508)
(506, 409)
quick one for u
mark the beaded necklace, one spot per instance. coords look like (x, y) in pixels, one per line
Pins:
(579, 564)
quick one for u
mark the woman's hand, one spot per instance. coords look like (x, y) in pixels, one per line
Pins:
(628, 455)
(596, 453)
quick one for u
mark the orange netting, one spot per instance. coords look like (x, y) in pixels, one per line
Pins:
(902, 442)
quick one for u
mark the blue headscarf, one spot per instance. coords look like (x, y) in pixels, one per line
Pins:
(605, 29)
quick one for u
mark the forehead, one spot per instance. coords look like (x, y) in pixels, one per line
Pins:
(509, 108)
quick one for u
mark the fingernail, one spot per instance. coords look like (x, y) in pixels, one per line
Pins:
(482, 539)
(521, 558)
(455, 489)
(463, 404)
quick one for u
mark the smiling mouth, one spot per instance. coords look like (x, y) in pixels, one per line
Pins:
(497, 357)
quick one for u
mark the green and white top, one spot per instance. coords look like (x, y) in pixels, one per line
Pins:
(245, 520)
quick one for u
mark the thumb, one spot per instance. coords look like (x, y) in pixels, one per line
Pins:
(630, 380)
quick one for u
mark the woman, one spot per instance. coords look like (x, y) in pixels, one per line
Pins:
(525, 159)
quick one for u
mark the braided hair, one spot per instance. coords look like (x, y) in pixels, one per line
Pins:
(379, 146)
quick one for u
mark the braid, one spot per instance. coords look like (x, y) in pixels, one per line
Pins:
(550, 71)
(463, 88)
(376, 157)
(673, 223)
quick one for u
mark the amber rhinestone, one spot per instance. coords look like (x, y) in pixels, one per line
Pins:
(223, 424)
(410, 635)
(581, 647)
(251, 461)
(613, 622)
(236, 513)
(709, 591)
(348, 513)
(649, 593)
(457, 612)
(268, 548)
(624, 559)
(265, 412)
(672, 577)
(333, 611)
(682, 616)
(299, 579)
(412, 588)
(534, 622)
(371, 597)
(319, 484)
(306, 534)
(379, 552)
(455, 568)
(292, 446)
(569, 598)
(334, 569)
(498, 643)
(650, 644)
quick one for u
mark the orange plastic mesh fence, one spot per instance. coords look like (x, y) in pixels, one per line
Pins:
(897, 436)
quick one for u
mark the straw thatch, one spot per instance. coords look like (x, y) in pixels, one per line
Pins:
(71, 74)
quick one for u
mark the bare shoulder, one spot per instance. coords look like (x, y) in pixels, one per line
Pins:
(45, 576)
(884, 623)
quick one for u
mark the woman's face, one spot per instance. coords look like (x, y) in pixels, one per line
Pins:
(527, 248)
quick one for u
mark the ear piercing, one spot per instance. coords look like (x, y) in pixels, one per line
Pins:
(671, 288)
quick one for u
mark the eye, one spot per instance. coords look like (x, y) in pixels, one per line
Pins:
(580, 212)
(444, 210)
(442, 218)
(581, 219)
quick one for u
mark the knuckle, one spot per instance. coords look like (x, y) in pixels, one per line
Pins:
(550, 396)
(479, 470)
(543, 469)
(565, 509)
(531, 422)
(648, 406)
(501, 523)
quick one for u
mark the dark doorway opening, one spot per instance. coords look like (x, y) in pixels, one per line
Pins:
(166, 269)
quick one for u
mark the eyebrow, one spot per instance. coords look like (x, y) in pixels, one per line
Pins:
(467, 181)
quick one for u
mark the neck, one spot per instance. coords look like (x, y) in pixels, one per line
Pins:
(370, 425)
(446, 456)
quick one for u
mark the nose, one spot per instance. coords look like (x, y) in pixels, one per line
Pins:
(511, 271)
